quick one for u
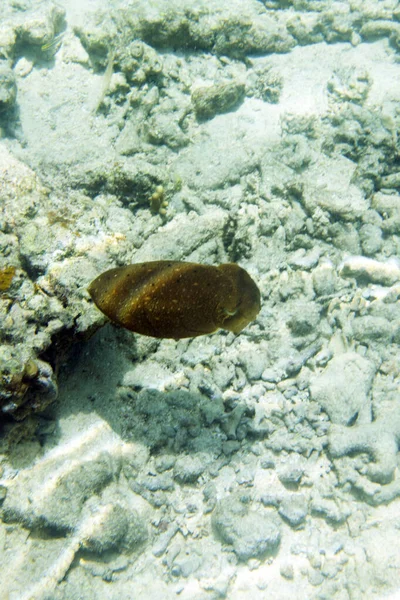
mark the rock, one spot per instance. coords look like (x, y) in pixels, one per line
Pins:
(305, 318)
(224, 28)
(293, 509)
(28, 384)
(264, 83)
(286, 570)
(378, 440)
(290, 473)
(230, 447)
(387, 205)
(253, 359)
(369, 328)
(351, 86)
(329, 510)
(303, 260)
(193, 162)
(315, 577)
(271, 499)
(48, 295)
(164, 462)
(193, 233)
(139, 63)
(251, 533)
(113, 528)
(375, 29)
(246, 476)
(7, 40)
(321, 190)
(232, 421)
(345, 236)
(342, 389)
(52, 493)
(162, 129)
(8, 86)
(155, 483)
(272, 375)
(40, 26)
(209, 497)
(371, 239)
(188, 469)
(324, 279)
(186, 562)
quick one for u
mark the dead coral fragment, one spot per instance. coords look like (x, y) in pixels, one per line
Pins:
(172, 299)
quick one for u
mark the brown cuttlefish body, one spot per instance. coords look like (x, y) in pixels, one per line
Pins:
(174, 299)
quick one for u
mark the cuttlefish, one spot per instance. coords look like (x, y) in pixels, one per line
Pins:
(174, 299)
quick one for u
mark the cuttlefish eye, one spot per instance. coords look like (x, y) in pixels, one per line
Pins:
(173, 299)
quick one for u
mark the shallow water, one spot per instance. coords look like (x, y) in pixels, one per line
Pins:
(263, 464)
